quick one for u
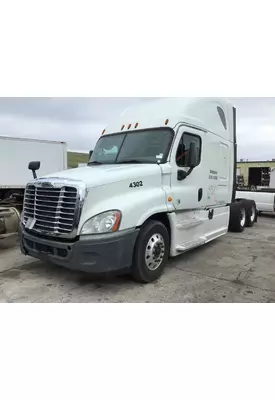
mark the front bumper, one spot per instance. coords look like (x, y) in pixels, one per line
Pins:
(93, 254)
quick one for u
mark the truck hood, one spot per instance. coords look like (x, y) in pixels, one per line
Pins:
(99, 175)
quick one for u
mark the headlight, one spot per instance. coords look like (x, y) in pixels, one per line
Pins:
(108, 221)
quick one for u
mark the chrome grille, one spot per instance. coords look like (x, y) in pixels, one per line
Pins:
(53, 209)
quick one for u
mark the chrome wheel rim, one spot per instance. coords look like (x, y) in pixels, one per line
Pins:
(253, 214)
(154, 253)
(243, 217)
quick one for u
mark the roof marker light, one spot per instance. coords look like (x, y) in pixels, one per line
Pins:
(123, 126)
(129, 126)
(166, 122)
(136, 125)
(103, 131)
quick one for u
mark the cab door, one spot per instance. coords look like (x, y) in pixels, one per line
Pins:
(189, 193)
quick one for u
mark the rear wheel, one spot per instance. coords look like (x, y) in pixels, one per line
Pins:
(251, 214)
(238, 217)
(151, 252)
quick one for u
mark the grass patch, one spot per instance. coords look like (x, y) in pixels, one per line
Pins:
(75, 158)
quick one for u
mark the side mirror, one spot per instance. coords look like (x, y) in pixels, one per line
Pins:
(192, 155)
(34, 166)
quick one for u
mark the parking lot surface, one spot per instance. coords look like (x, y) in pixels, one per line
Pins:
(235, 268)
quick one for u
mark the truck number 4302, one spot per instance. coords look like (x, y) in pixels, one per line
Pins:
(136, 184)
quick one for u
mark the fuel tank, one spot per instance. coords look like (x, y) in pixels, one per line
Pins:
(9, 222)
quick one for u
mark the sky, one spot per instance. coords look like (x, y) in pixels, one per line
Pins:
(80, 121)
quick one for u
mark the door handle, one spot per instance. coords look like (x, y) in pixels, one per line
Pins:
(200, 193)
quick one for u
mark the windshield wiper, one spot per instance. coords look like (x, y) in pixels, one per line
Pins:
(94, 163)
(132, 161)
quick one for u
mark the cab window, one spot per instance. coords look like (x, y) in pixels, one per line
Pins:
(183, 149)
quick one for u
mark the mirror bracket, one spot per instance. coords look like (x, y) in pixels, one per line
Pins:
(182, 175)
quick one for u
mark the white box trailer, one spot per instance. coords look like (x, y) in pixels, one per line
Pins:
(15, 156)
(272, 179)
(16, 153)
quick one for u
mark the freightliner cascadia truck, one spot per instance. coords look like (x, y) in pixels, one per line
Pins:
(160, 181)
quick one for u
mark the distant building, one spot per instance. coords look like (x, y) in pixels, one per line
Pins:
(255, 173)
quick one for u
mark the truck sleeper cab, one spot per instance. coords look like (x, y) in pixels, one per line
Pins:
(160, 181)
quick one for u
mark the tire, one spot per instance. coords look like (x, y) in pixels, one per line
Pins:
(251, 213)
(151, 252)
(238, 217)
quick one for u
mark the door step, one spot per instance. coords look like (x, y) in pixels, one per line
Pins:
(189, 245)
(188, 224)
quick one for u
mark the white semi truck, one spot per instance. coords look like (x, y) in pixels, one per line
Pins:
(264, 199)
(15, 155)
(160, 181)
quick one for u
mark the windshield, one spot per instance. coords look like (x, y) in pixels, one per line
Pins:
(150, 146)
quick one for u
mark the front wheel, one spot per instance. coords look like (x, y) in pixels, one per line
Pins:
(151, 252)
